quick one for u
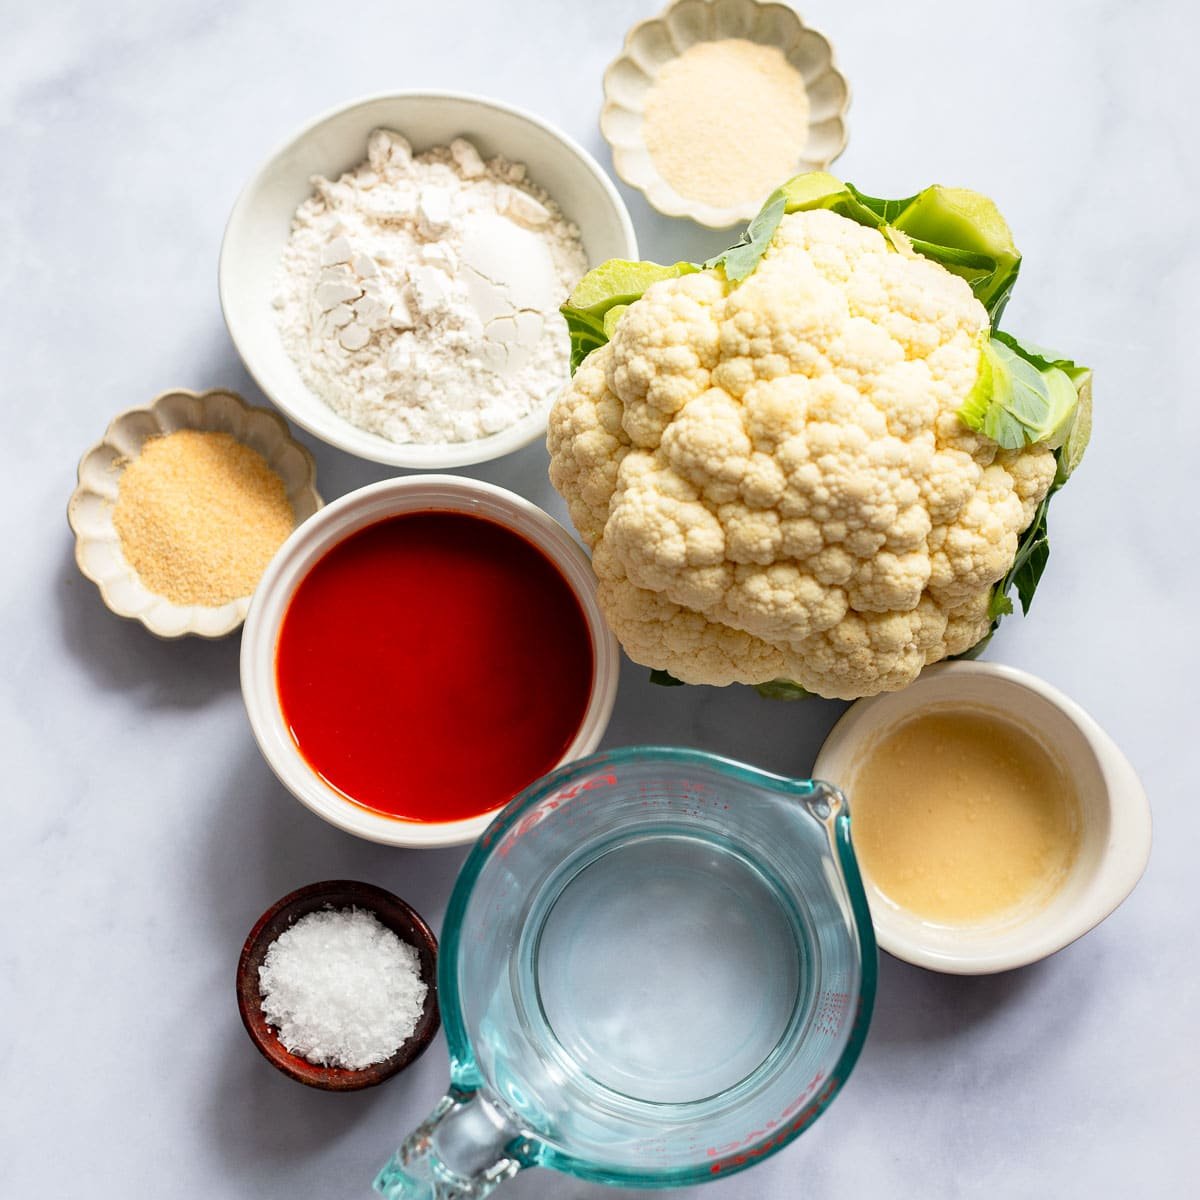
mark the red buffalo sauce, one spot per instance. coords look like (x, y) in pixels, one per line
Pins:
(432, 665)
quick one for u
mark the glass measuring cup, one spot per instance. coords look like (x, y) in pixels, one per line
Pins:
(657, 968)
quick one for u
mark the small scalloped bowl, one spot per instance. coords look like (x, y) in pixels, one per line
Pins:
(652, 43)
(89, 512)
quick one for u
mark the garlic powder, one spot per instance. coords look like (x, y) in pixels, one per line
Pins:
(419, 294)
(727, 121)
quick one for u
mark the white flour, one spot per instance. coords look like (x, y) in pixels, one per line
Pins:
(419, 294)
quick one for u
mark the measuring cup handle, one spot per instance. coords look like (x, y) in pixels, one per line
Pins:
(460, 1152)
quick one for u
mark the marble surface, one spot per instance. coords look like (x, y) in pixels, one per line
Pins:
(142, 832)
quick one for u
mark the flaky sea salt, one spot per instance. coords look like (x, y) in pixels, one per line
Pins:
(342, 990)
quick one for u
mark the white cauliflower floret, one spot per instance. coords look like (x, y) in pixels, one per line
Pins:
(587, 445)
(1032, 471)
(667, 357)
(773, 476)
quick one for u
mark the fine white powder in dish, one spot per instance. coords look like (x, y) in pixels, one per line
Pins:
(343, 990)
(419, 293)
(726, 122)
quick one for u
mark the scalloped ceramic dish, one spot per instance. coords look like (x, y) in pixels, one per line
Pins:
(89, 512)
(652, 43)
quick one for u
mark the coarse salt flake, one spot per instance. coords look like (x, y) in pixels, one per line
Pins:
(342, 989)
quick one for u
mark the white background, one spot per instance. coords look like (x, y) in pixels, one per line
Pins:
(142, 834)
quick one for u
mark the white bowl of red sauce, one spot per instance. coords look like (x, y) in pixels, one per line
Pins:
(420, 651)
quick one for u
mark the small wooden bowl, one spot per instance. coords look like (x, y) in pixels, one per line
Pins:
(336, 894)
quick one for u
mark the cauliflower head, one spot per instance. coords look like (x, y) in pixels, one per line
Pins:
(773, 475)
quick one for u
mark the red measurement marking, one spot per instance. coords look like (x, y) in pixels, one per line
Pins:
(780, 1131)
(754, 1135)
(536, 815)
(831, 1012)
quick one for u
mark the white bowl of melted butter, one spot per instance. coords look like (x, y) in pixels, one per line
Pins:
(994, 821)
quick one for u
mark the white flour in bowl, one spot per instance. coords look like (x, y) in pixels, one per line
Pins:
(419, 294)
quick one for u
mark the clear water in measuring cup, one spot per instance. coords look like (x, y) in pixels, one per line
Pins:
(656, 967)
(667, 967)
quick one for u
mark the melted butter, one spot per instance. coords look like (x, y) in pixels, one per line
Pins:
(961, 817)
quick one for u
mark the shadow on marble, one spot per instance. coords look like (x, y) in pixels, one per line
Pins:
(260, 1118)
(668, 239)
(123, 656)
(262, 843)
(915, 1007)
(777, 735)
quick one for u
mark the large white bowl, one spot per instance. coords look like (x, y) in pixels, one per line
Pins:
(1115, 816)
(261, 221)
(334, 523)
